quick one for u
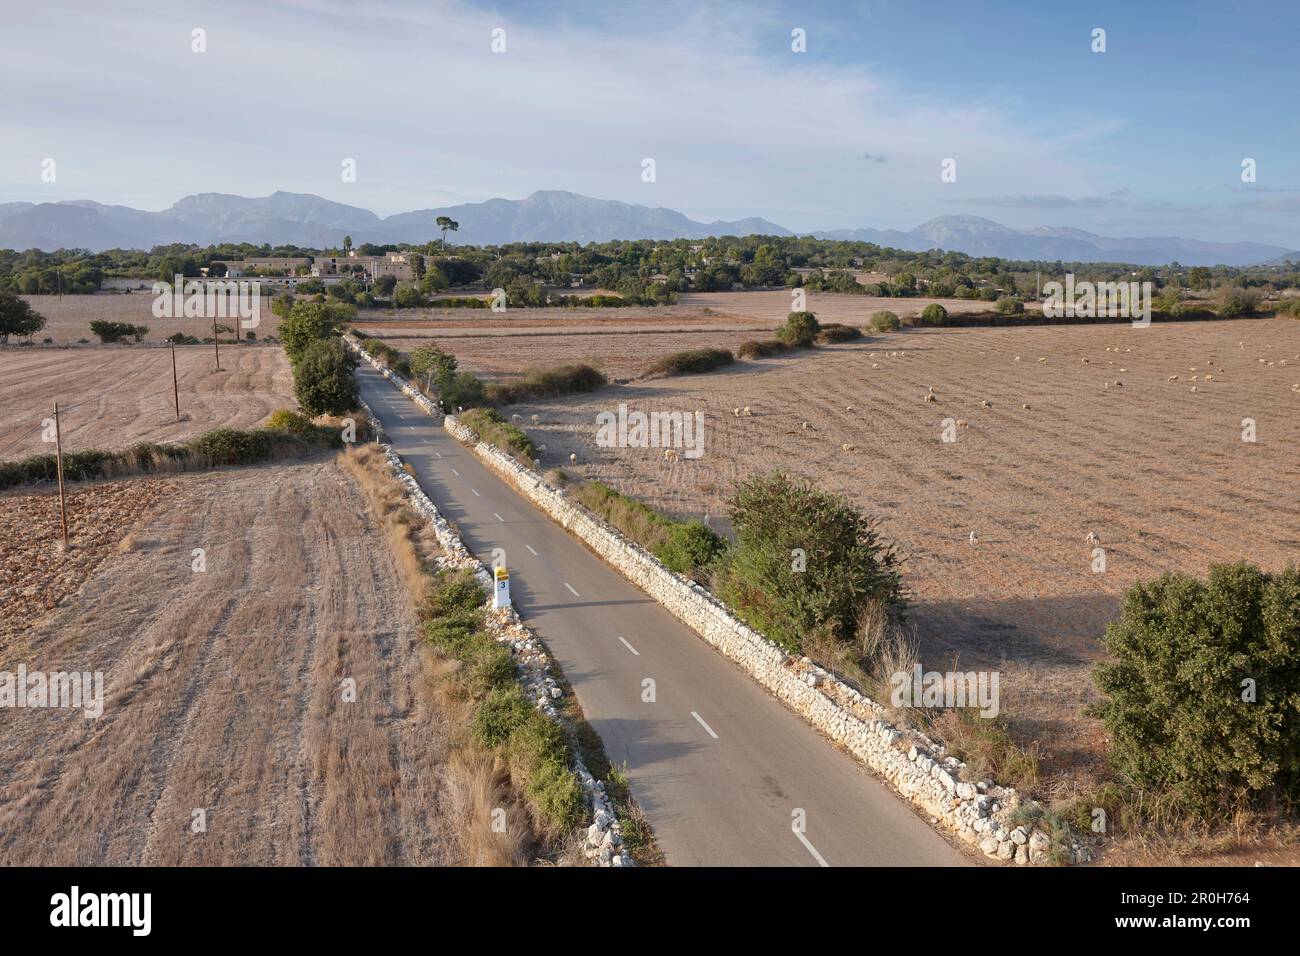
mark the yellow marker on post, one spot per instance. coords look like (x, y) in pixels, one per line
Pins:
(501, 595)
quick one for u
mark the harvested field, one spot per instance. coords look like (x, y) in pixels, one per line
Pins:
(1158, 471)
(68, 318)
(620, 355)
(111, 396)
(223, 692)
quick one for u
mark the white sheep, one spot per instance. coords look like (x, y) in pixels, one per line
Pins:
(1093, 538)
(930, 399)
(847, 447)
(746, 411)
(573, 459)
(516, 418)
(974, 538)
(670, 454)
(985, 403)
(536, 419)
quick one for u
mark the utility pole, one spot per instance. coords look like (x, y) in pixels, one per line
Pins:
(58, 451)
(176, 392)
(216, 342)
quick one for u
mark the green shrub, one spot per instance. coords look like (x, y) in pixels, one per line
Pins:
(846, 566)
(691, 362)
(284, 420)
(548, 383)
(800, 329)
(503, 711)
(765, 348)
(323, 378)
(1202, 697)
(885, 322)
(1234, 302)
(490, 426)
(838, 332)
(232, 446)
(689, 547)
(455, 592)
(461, 390)
(1009, 306)
(935, 314)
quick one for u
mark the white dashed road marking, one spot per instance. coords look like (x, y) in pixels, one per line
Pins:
(530, 548)
(476, 494)
(455, 472)
(629, 646)
(571, 591)
(704, 725)
(497, 516)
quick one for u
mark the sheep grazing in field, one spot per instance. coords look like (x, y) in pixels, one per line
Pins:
(974, 538)
(746, 411)
(1017, 358)
(930, 399)
(541, 450)
(573, 459)
(536, 419)
(516, 418)
(1025, 406)
(1093, 538)
(847, 447)
(985, 403)
(1209, 378)
(670, 454)
(1173, 378)
(1042, 360)
(962, 423)
(848, 408)
(1193, 388)
(806, 425)
(1085, 361)
(735, 412)
(875, 365)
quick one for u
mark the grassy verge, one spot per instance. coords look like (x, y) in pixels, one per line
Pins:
(491, 426)
(509, 761)
(286, 435)
(687, 547)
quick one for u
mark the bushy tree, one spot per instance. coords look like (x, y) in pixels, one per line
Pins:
(323, 378)
(934, 314)
(428, 359)
(885, 321)
(804, 559)
(17, 317)
(309, 322)
(800, 329)
(1202, 695)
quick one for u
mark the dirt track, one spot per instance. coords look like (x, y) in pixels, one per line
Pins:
(222, 692)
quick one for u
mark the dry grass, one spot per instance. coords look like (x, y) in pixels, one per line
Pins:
(490, 819)
(111, 397)
(223, 691)
(68, 318)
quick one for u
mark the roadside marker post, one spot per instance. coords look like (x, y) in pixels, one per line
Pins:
(501, 594)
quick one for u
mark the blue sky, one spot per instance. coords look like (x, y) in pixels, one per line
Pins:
(1144, 139)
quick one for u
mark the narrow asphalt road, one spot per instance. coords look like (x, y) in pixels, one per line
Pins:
(719, 766)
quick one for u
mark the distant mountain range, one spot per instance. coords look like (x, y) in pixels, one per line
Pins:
(306, 220)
